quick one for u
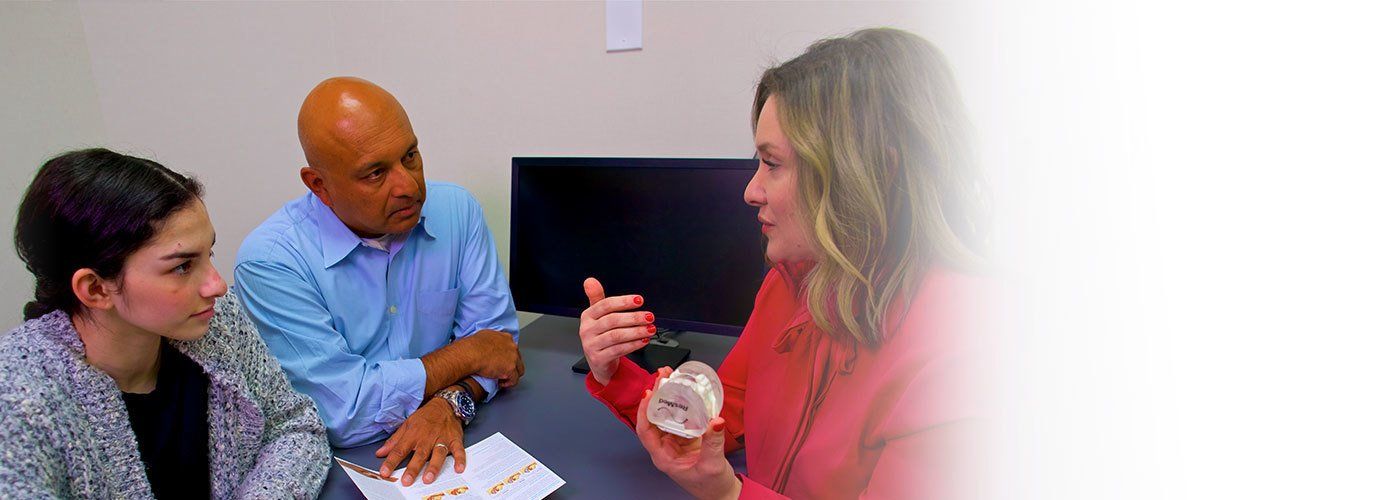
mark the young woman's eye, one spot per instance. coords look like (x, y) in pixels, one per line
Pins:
(769, 163)
(183, 268)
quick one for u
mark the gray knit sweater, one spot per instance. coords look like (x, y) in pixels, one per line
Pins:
(64, 430)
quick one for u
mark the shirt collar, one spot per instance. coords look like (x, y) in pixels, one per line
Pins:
(843, 349)
(429, 224)
(793, 275)
(337, 240)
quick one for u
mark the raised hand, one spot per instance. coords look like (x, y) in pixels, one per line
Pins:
(610, 328)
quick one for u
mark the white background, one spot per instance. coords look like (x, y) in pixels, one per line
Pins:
(1200, 214)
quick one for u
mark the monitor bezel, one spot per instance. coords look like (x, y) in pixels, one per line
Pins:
(516, 163)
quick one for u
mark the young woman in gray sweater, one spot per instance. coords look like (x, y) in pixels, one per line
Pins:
(134, 375)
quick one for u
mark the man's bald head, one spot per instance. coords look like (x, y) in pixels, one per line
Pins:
(362, 156)
(340, 112)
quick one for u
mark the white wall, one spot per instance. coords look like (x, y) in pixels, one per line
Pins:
(49, 105)
(213, 89)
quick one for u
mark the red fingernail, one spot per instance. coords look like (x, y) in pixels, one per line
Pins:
(650, 318)
(651, 328)
(637, 300)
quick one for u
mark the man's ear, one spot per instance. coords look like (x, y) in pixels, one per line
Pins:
(317, 184)
(92, 291)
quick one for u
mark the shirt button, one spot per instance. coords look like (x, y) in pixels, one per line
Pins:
(393, 309)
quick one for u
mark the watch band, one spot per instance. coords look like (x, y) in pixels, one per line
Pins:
(464, 387)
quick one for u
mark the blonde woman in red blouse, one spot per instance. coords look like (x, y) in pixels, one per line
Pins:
(846, 382)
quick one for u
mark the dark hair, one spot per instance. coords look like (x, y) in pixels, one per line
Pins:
(91, 209)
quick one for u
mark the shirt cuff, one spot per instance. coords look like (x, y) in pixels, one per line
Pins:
(490, 385)
(624, 392)
(401, 393)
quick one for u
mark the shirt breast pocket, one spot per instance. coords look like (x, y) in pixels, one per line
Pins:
(437, 304)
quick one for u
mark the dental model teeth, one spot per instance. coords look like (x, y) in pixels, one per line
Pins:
(685, 402)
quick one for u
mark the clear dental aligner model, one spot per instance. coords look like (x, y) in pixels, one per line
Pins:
(685, 402)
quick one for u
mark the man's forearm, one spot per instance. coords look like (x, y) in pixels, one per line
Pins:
(445, 366)
(487, 353)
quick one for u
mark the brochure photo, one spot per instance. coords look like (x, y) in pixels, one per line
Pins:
(497, 469)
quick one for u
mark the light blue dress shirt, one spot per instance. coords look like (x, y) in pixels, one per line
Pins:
(349, 322)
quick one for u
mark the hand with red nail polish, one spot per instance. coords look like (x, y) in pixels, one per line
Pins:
(611, 328)
(698, 465)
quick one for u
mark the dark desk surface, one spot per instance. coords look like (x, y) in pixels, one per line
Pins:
(552, 417)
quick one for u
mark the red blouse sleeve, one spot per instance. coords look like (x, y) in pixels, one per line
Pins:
(624, 392)
(734, 376)
(753, 490)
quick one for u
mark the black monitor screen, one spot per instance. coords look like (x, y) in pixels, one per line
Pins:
(676, 231)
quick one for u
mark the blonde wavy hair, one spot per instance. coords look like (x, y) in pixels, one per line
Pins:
(886, 175)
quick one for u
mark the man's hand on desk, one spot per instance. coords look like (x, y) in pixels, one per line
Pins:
(429, 435)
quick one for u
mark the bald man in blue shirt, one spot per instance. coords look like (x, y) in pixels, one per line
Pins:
(379, 292)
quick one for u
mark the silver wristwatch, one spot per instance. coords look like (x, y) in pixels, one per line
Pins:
(462, 405)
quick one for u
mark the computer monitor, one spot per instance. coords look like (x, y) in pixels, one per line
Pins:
(676, 231)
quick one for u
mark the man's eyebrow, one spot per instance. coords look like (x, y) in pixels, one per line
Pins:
(371, 166)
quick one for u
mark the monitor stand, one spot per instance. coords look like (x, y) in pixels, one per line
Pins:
(663, 350)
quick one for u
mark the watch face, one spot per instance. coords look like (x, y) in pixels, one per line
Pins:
(462, 405)
(468, 406)
(465, 407)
